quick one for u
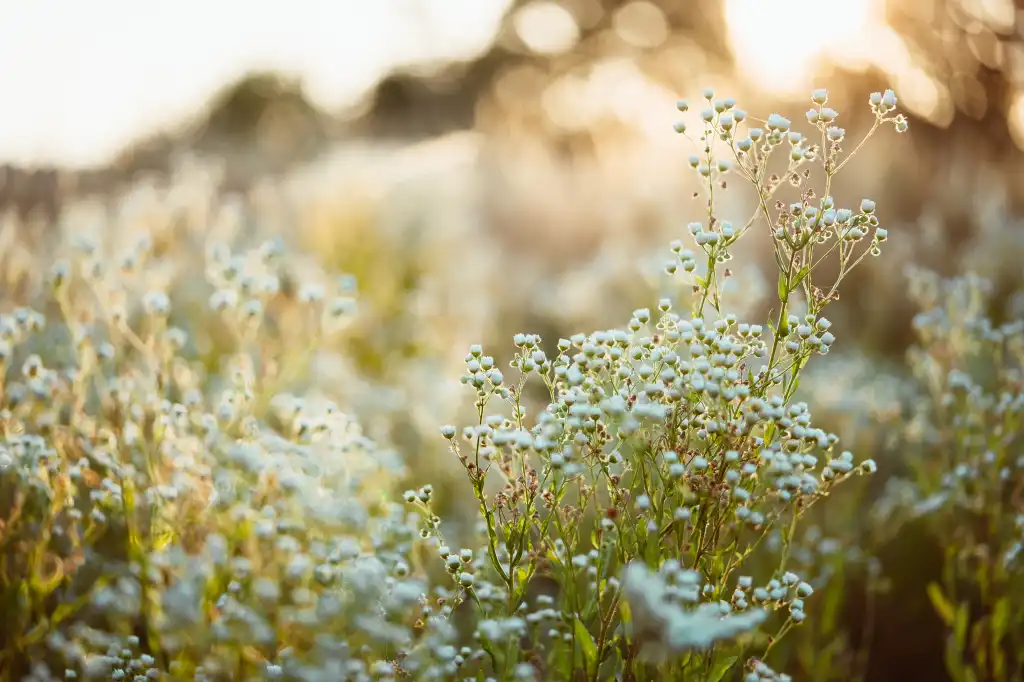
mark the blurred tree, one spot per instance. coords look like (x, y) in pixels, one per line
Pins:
(262, 123)
(424, 102)
(964, 60)
(962, 63)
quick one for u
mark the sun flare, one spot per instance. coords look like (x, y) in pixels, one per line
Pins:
(777, 41)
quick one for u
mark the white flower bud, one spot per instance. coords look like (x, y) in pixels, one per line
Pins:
(777, 122)
(156, 303)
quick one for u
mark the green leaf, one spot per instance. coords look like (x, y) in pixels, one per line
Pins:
(523, 576)
(781, 260)
(164, 540)
(24, 597)
(954, 661)
(45, 588)
(652, 549)
(783, 289)
(1000, 619)
(587, 646)
(960, 628)
(62, 612)
(625, 613)
(721, 668)
(832, 602)
(802, 275)
(35, 634)
(945, 609)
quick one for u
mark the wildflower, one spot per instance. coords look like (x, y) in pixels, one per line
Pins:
(778, 123)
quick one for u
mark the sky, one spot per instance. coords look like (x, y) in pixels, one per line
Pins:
(79, 80)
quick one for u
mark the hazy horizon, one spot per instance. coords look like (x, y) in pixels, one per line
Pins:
(80, 81)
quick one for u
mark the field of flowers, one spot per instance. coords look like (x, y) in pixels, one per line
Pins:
(332, 429)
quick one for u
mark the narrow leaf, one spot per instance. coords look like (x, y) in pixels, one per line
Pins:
(1000, 619)
(587, 646)
(960, 628)
(721, 668)
(802, 275)
(943, 607)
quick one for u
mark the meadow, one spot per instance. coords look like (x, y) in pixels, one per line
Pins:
(333, 429)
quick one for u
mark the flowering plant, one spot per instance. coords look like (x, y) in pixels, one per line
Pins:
(622, 526)
(174, 506)
(963, 455)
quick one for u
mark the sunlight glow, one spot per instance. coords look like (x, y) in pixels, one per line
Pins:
(547, 27)
(81, 80)
(776, 42)
(1015, 117)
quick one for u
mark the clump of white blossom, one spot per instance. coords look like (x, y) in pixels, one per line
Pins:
(964, 466)
(183, 497)
(178, 501)
(175, 502)
(669, 448)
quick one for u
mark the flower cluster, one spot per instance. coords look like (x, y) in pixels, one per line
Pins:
(174, 503)
(672, 444)
(964, 445)
(181, 499)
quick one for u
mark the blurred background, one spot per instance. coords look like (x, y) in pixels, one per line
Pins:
(486, 167)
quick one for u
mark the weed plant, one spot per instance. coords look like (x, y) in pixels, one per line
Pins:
(669, 448)
(964, 458)
(172, 508)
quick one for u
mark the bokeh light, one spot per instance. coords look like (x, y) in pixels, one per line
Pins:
(777, 44)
